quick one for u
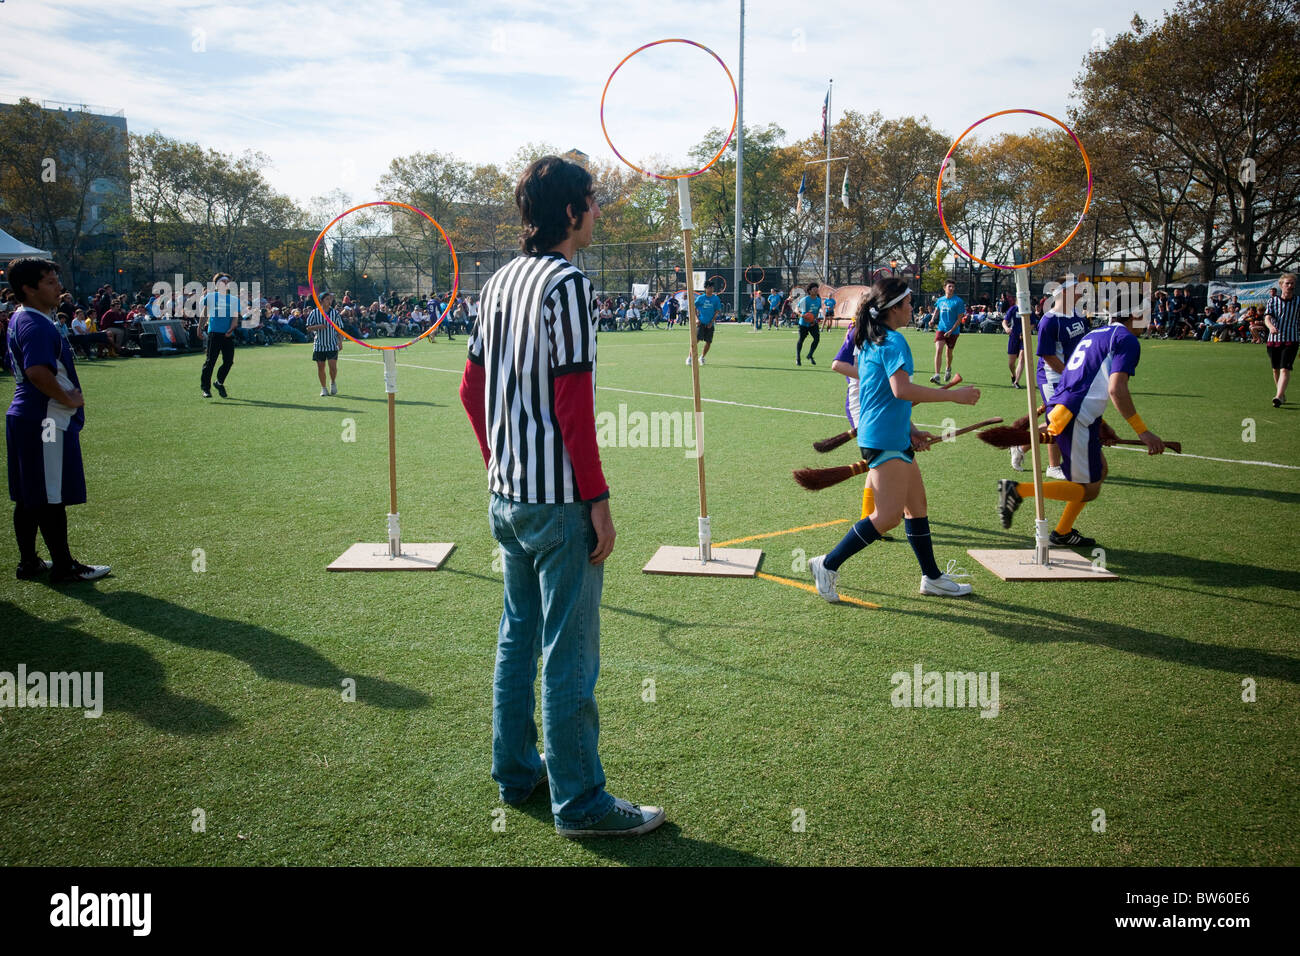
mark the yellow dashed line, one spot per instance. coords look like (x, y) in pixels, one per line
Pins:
(775, 534)
(844, 598)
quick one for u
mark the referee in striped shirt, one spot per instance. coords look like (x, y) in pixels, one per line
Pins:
(529, 391)
(325, 346)
(1283, 320)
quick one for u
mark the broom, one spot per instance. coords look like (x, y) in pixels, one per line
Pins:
(830, 444)
(1009, 436)
(815, 479)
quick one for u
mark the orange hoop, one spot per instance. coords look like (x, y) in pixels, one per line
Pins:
(451, 299)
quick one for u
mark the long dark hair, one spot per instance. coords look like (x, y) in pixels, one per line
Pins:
(869, 324)
(546, 191)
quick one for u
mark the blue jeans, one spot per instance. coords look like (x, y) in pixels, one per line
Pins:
(552, 610)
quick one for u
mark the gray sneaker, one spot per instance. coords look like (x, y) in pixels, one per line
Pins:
(626, 819)
(827, 581)
(334, 388)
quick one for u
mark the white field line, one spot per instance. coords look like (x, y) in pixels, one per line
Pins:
(804, 411)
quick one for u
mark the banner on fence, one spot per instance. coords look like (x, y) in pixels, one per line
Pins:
(1247, 293)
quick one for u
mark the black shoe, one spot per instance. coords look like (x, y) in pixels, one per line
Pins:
(78, 572)
(812, 360)
(1277, 403)
(29, 570)
(1071, 540)
(1008, 500)
(221, 390)
(798, 361)
(206, 393)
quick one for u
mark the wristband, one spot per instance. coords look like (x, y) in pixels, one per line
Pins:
(1058, 418)
(1138, 425)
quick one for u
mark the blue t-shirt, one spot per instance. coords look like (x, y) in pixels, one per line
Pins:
(34, 340)
(706, 306)
(1058, 335)
(884, 422)
(222, 310)
(810, 305)
(949, 309)
(830, 307)
(1084, 387)
(774, 301)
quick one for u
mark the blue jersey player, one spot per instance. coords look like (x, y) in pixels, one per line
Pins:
(707, 307)
(1098, 371)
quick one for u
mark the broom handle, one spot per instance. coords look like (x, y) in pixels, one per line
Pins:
(1026, 336)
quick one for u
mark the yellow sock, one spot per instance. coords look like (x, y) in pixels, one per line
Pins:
(1068, 517)
(1055, 490)
(868, 501)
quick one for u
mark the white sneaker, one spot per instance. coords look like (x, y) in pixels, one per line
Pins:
(701, 359)
(826, 580)
(688, 360)
(1017, 458)
(324, 391)
(934, 379)
(334, 388)
(947, 376)
(945, 584)
(1056, 474)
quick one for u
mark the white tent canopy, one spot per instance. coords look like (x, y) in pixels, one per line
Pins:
(11, 248)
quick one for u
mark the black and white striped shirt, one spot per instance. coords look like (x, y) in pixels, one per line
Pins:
(536, 322)
(1286, 319)
(327, 338)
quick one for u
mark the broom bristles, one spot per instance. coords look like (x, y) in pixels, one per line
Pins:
(830, 444)
(1005, 436)
(815, 479)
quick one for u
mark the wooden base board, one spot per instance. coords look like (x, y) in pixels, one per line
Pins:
(726, 562)
(374, 557)
(1020, 566)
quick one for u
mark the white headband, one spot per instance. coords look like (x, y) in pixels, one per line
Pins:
(890, 304)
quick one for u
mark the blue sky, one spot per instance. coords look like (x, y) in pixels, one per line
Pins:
(331, 92)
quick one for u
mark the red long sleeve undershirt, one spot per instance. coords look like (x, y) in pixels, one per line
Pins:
(575, 413)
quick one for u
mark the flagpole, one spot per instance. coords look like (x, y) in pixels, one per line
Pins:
(826, 209)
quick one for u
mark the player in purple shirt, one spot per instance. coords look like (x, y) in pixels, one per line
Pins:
(1098, 371)
(42, 427)
(1059, 331)
(1015, 341)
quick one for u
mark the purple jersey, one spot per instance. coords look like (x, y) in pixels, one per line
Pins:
(849, 353)
(1058, 335)
(1084, 387)
(35, 340)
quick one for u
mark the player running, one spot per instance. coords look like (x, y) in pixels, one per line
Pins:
(1015, 348)
(707, 305)
(1098, 369)
(888, 441)
(809, 308)
(1059, 331)
(949, 310)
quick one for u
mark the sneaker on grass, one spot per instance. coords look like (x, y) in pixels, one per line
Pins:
(1055, 474)
(934, 379)
(1017, 458)
(827, 581)
(78, 572)
(28, 570)
(334, 388)
(324, 391)
(1008, 500)
(625, 820)
(1071, 539)
(944, 586)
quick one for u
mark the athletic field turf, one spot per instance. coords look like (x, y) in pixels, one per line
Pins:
(769, 735)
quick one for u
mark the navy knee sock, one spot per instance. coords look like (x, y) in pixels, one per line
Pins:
(25, 526)
(859, 536)
(54, 529)
(918, 536)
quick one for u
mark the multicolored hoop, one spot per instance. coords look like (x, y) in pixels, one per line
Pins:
(724, 283)
(938, 192)
(451, 299)
(734, 93)
(762, 274)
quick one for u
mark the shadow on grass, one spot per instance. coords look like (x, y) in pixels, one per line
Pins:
(666, 846)
(1281, 497)
(1221, 574)
(272, 656)
(1031, 625)
(134, 682)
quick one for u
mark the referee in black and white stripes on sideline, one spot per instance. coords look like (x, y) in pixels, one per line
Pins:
(529, 391)
(1283, 320)
(325, 345)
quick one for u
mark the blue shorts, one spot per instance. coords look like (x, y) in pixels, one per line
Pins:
(42, 472)
(1015, 343)
(874, 457)
(1080, 447)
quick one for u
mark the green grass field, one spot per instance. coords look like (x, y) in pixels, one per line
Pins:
(224, 688)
